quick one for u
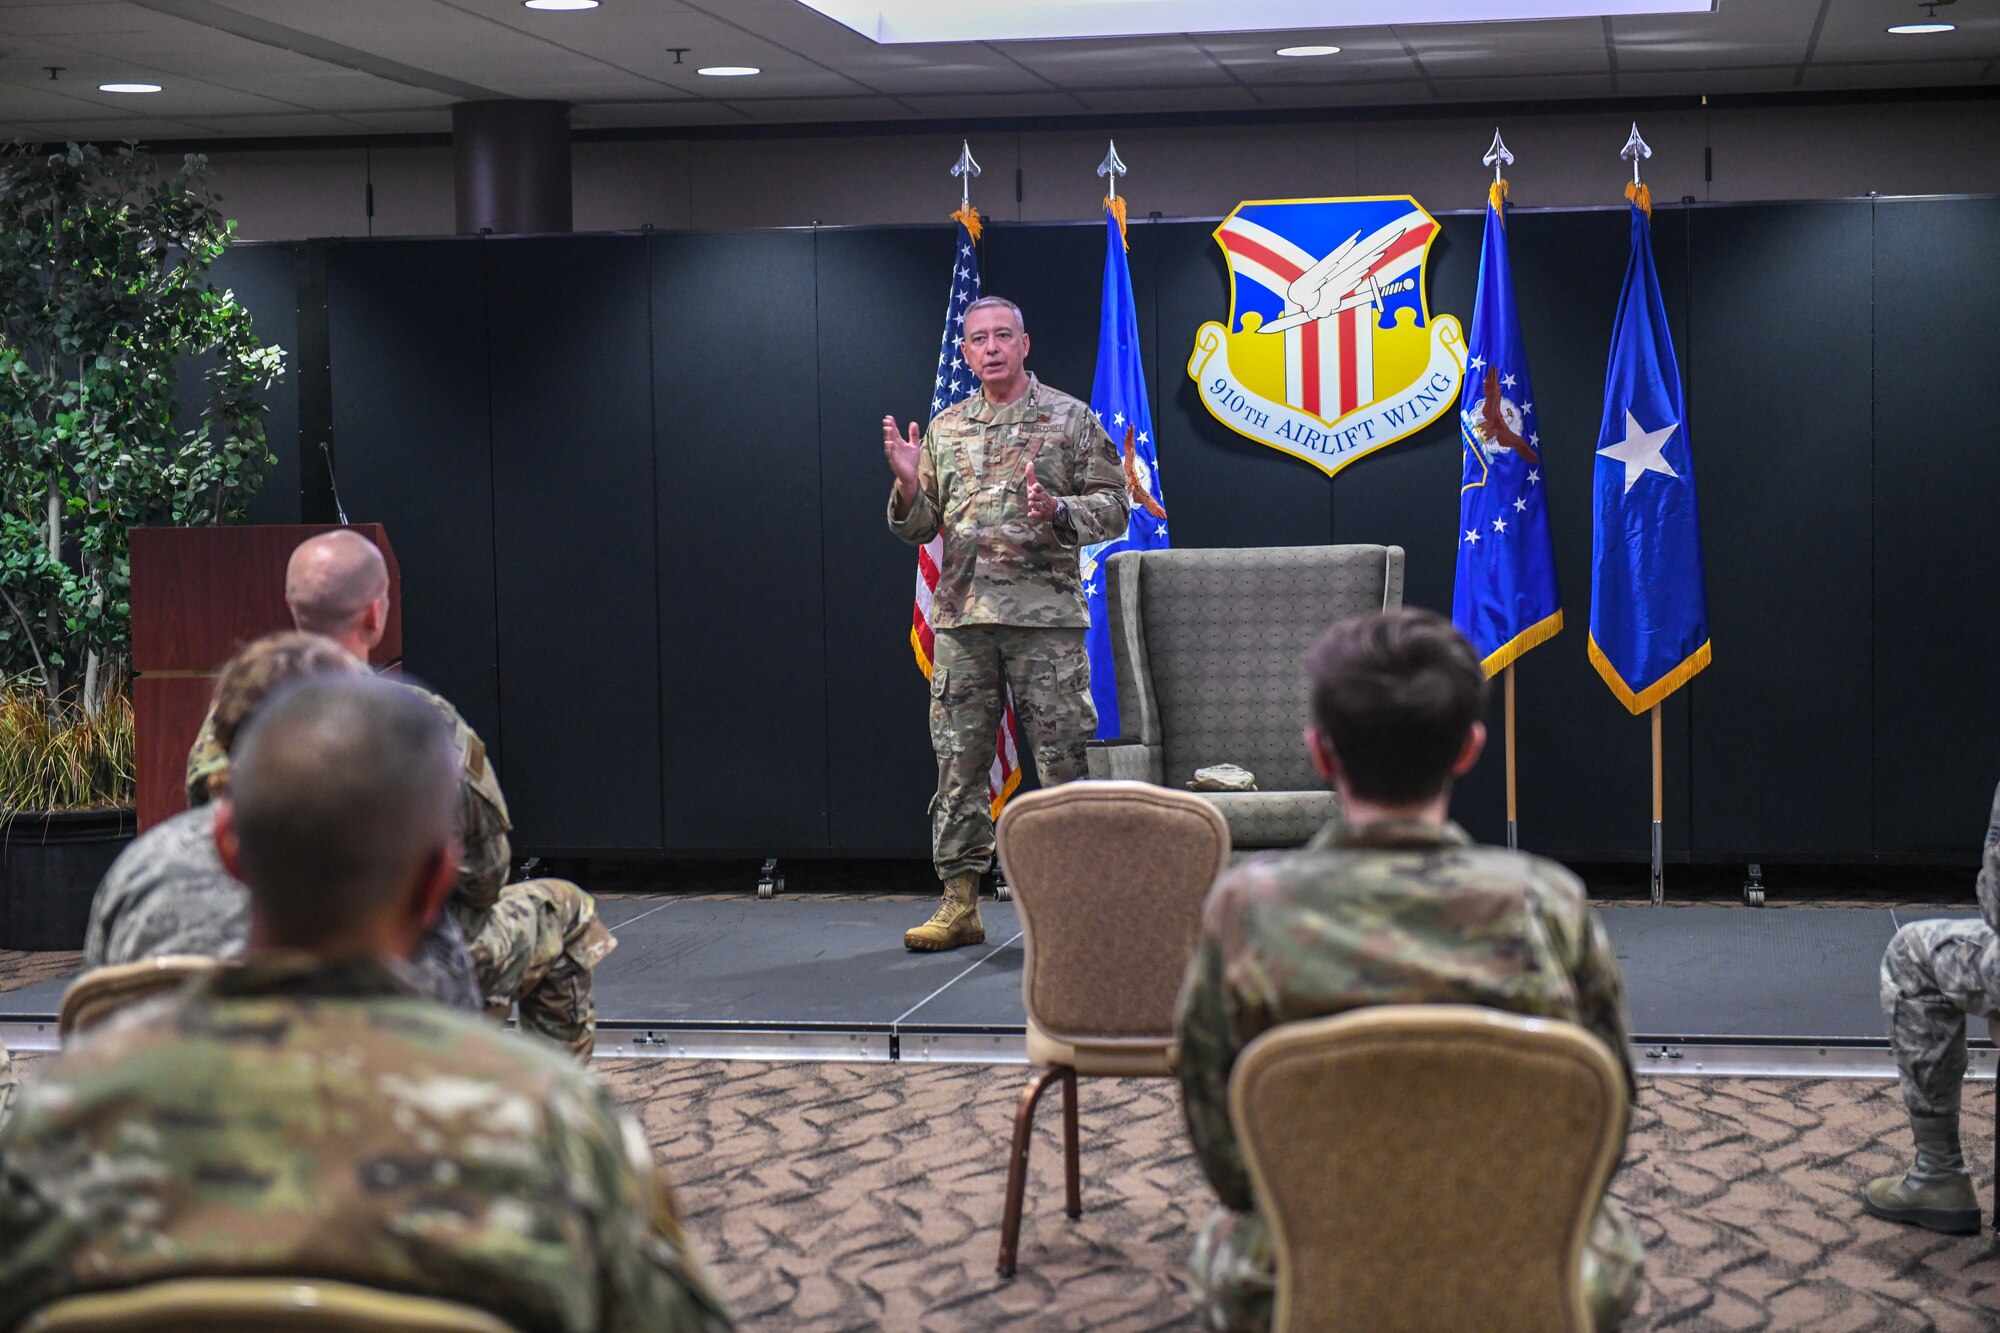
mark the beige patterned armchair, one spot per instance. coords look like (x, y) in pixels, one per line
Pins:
(1210, 647)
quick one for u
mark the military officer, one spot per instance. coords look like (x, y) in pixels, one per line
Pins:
(533, 942)
(303, 1114)
(1016, 478)
(1934, 973)
(1393, 904)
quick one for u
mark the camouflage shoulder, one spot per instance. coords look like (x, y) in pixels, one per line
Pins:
(1257, 880)
(479, 774)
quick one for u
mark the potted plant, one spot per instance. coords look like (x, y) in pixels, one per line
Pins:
(104, 300)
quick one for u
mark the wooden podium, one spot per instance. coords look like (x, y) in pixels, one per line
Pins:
(199, 594)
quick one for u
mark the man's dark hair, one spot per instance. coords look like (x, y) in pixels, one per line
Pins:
(342, 786)
(1395, 694)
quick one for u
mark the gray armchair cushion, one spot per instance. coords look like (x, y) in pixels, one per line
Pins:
(1123, 759)
(1273, 818)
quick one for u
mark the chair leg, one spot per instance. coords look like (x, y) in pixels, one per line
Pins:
(1072, 1195)
(1017, 1164)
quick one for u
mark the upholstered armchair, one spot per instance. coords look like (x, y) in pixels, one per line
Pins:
(1210, 649)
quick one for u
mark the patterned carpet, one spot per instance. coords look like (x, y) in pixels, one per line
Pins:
(861, 1196)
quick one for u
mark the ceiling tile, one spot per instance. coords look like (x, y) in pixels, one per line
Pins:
(1771, 32)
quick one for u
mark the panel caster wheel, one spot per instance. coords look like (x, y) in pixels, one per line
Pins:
(1753, 888)
(766, 889)
(769, 882)
(1003, 890)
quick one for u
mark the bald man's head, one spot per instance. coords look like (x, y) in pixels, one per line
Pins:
(342, 791)
(337, 584)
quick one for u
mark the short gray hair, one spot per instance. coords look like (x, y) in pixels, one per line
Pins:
(343, 786)
(992, 302)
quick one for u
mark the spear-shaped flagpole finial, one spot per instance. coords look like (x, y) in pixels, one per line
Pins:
(1635, 148)
(1498, 155)
(1111, 167)
(965, 169)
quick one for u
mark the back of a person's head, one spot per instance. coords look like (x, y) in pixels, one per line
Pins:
(262, 666)
(343, 790)
(331, 579)
(1395, 695)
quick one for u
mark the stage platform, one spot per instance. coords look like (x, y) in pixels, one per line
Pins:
(1713, 990)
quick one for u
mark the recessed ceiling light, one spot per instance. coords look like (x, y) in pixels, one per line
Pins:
(729, 71)
(560, 4)
(1308, 50)
(1911, 29)
(128, 87)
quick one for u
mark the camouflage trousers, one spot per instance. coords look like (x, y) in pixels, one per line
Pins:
(1934, 973)
(1236, 1285)
(535, 947)
(972, 668)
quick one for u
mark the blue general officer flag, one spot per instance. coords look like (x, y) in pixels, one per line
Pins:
(1648, 598)
(1504, 598)
(1118, 398)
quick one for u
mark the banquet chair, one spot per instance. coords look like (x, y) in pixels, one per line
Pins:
(103, 991)
(1428, 1166)
(1109, 879)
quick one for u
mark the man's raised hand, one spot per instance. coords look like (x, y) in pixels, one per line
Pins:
(902, 454)
(1041, 504)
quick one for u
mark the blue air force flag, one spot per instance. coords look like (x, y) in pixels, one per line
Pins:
(1118, 398)
(1504, 597)
(1648, 599)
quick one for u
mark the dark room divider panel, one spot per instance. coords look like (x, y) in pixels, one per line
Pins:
(574, 548)
(742, 616)
(413, 438)
(1937, 546)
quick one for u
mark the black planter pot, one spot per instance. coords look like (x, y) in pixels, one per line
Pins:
(50, 863)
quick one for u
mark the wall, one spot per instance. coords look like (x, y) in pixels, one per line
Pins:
(1566, 159)
(636, 487)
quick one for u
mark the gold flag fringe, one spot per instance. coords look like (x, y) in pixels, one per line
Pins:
(1117, 207)
(1509, 652)
(969, 215)
(1496, 195)
(1643, 700)
(1638, 192)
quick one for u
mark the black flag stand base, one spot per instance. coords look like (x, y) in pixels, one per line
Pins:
(1513, 835)
(1659, 885)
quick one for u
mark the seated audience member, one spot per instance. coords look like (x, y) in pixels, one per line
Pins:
(533, 942)
(1934, 973)
(168, 893)
(1393, 905)
(304, 1114)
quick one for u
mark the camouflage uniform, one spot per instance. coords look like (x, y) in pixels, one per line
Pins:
(168, 893)
(9, 1081)
(296, 1116)
(1383, 913)
(534, 942)
(1934, 973)
(1009, 607)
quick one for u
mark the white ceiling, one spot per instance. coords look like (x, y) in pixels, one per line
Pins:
(264, 68)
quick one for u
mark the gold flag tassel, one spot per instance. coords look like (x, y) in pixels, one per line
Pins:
(969, 215)
(1117, 207)
(1638, 192)
(1496, 196)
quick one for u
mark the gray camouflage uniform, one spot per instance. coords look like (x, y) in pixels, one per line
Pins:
(1934, 973)
(1384, 913)
(1009, 608)
(168, 893)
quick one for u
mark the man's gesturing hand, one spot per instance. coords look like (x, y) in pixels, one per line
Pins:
(902, 455)
(1041, 504)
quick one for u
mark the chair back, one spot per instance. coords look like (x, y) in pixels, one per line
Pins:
(258, 1305)
(1109, 878)
(1210, 647)
(1428, 1166)
(103, 991)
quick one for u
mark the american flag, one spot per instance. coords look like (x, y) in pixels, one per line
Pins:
(956, 381)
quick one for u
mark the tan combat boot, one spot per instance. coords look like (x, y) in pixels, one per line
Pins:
(1936, 1193)
(956, 921)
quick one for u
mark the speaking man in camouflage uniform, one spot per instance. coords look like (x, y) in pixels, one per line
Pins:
(533, 942)
(168, 893)
(1016, 478)
(1934, 973)
(1393, 905)
(303, 1114)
